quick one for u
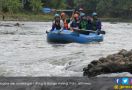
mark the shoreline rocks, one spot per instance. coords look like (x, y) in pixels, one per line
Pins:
(115, 63)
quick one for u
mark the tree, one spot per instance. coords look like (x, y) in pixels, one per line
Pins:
(104, 7)
(36, 5)
(58, 4)
(12, 5)
(91, 5)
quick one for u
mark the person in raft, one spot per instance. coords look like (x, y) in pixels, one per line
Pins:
(96, 23)
(57, 23)
(65, 20)
(75, 22)
(83, 24)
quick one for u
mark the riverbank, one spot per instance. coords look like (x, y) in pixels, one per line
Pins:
(116, 20)
(47, 17)
(27, 17)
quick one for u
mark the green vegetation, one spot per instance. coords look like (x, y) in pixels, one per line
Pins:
(105, 8)
(11, 6)
(57, 4)
(36, 5)
(109, 8)
(27, 17)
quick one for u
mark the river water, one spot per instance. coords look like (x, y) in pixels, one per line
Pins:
(24, 50)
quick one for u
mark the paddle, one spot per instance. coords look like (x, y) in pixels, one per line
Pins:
(48, 10)
(47, 31)
(91, 31)
(60, 32)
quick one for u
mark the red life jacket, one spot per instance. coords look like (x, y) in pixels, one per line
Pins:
(65, 24)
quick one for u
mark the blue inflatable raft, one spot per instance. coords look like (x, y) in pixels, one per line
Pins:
(67, 36)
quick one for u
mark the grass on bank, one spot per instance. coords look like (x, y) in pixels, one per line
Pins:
(47, 17)
(26, 17)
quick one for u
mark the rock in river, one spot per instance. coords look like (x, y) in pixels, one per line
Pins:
(115, 63)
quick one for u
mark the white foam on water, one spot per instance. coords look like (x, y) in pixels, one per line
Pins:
(24, 50)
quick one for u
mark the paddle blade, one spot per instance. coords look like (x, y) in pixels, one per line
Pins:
(46, 10)
(102, 32)
(46, 32)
